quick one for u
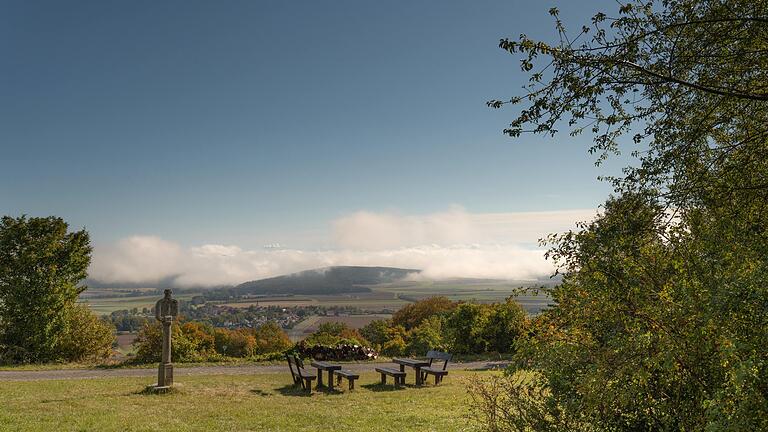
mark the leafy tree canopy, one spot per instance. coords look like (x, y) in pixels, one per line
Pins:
(660, 321)
(41, 265)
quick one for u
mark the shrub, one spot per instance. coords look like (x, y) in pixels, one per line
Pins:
(427, 336)
(234, 343)
(505, 323)
(411, 315)
(270, 338)
(465, 326)
(395, 344)
(192, 342)
(376, 332)
(516, 403)
(334, 333)
(87, 337)
(200, 337)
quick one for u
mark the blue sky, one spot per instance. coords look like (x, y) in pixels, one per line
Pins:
(259, 122)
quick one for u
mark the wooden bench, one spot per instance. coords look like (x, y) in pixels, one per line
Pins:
(398, 375)
(349, 375)
(300, 376)
(434, 368)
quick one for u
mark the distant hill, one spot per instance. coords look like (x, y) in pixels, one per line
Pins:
(330, 280)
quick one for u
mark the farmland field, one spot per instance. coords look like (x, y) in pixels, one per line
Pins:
(104, 301)
(388, 298)
(383, 298)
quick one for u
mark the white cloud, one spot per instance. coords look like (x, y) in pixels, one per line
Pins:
(449, 244)
(366, 230)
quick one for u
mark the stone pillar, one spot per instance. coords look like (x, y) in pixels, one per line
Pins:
(165, 370)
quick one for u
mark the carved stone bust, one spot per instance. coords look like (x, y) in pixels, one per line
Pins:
(166, 308)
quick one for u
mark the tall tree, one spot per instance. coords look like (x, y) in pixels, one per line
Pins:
(41, 266)
(660, 321)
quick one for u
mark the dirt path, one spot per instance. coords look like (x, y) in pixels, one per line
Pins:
(62, 374)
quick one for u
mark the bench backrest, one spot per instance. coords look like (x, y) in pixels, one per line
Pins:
(440, 356)
(291, 363)
(299, 362)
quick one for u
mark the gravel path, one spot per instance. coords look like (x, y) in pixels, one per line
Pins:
(62, 374)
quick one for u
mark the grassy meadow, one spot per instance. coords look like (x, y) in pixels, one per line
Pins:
(259, 402)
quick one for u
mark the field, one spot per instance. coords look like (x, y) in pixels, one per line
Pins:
(104, 301)
(383, 298)
(388, 298)
(259, 402)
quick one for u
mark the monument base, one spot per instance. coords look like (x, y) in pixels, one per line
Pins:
(156, 389)
(165, 375)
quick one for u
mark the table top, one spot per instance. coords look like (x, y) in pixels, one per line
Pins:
(325, 365)
(411, 362)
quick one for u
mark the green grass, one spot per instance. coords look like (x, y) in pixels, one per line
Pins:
(261, 402)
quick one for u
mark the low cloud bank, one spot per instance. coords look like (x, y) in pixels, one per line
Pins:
(443, 245)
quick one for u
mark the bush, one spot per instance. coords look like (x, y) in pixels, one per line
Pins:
(376, 332)
(194, 342)
(191, 342)
(462, 328)
(425, 337)
(234, 343)
(87, 337)
(505, 323)
(465, 327)
(411, 315)
(270, 338)
(516, 403)
(200, 338)
(395, 344)
(334, 333)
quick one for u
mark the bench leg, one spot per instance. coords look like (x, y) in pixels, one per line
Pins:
(418, 376)
(438, 378)
(319, 378)
(399, 381)
(383, 379)
(351, 383)
(308, 385)
(330, 380)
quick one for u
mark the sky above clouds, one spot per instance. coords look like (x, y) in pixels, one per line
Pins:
(187, 135)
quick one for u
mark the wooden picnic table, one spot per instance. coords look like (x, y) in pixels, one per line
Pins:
(325, 366)
(412, 363)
